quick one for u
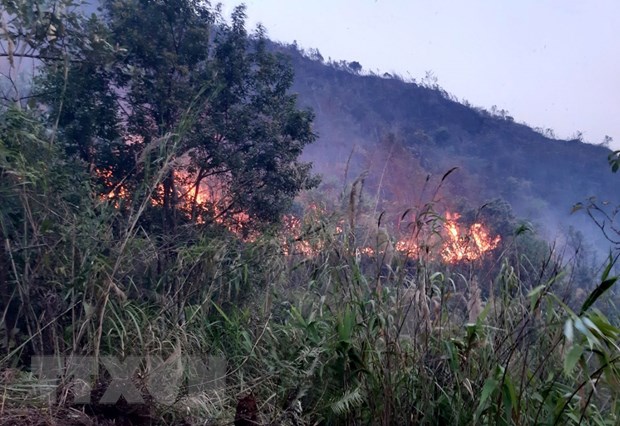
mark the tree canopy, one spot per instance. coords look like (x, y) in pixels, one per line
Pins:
(149, 80)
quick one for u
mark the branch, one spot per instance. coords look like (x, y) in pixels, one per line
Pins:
(39, 57)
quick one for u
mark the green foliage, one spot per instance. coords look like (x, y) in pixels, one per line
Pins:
(318, 338)
(242, 139)
(320, 329)
(40, 28)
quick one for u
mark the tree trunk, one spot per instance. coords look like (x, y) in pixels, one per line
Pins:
(170, 203)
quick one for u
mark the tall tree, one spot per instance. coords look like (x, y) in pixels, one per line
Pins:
(236, 158)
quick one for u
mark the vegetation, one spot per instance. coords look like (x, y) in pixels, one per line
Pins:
(115, 87)
(112, 246)
(379, 118)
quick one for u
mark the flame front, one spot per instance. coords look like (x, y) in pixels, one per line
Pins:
(459, 243)
(466, 244)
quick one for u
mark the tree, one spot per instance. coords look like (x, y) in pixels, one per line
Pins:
(177, 68)
(355, 66)
(605, 215)
(614, 161)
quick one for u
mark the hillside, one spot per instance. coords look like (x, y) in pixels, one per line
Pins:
(420, 129)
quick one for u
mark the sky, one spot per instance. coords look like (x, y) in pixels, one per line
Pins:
(549, 63)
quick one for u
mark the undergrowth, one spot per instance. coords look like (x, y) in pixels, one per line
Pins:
(330, 336)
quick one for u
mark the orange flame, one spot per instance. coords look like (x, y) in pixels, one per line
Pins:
(210, 195)
(459, 243)
(469, 244)
(407, 246)
(117, 192)
(292, 243)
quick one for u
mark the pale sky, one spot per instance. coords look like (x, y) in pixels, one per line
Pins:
(550, 63)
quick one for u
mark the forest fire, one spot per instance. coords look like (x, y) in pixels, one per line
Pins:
(115, 192)
(192, 198)
(210, 195)
(458, 242)
(466, 244)
(407, 246)
(298, 245)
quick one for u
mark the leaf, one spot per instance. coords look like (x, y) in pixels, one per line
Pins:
(448, 173)
(435, 276)
(571, 359)
(490, 385)
(610, 263)
(533, 293)
(89, 309)
(468, 386)
(345, 326)
(524, 228)
(605, 328)
(583, 328)
(569, 331)
(482, 315)
(591, 326)
(221, 312)
(598, 292)
(577, 207)
(380, 217)
(509, 395)
(348, 402)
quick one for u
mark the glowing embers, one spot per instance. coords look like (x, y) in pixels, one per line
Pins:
(292, 241)
(308, 236)
(208, 197)
(466, 243)
(117, 191)
(199, 200)
(407, 246)
(450, 241)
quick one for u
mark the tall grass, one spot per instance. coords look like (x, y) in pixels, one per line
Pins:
(334, 336)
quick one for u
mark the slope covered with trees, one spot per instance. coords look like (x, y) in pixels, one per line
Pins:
(381, 119)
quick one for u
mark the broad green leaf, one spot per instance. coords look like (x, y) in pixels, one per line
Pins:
(591, 326)
(571, 359)
(581, 326)
(490, 385)
(509, 396)
(598, 292)
(604, 327)
(222, 313)
(610, 264)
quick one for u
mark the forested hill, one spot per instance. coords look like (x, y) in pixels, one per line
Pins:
(402, 131)
(419, 128)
